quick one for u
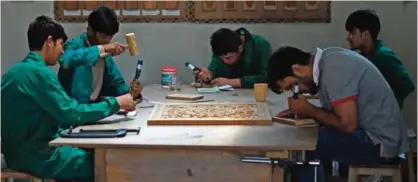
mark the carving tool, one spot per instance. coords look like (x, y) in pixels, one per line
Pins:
(196, 71)
(136, 79)
(199, 101)
(138, 69)
(133, 51)
(109, 133)
(296, 94)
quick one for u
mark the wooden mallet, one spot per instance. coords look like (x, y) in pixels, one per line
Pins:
(131, 41)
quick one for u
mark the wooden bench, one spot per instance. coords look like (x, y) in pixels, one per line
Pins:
(356, 171)
(393, 171)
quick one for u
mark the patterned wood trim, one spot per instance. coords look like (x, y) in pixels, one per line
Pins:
(191, 11)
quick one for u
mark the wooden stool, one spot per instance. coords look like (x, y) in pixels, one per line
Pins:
(10, 174)
(393, 171)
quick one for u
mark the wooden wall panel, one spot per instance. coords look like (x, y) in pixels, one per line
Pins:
(131, 5)
(90, 5)
(200, 11)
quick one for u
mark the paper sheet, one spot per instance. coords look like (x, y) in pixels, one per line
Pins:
(226, 88)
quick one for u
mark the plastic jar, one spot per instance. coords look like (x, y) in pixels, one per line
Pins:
(168, 76)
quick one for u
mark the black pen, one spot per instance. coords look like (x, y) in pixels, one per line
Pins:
(296, 94)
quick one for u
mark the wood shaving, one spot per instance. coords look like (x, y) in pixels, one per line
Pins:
(200, 111)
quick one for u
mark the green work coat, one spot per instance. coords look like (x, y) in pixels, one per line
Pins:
(391, 67)
(34, 106)
(75, 72)
(251, 67)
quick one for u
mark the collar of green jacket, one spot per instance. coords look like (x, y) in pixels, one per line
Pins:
(378, 46)
(36, 57)
(248, 48)
(83, 37)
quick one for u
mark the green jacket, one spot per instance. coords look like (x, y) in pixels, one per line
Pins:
(393, 70)
(75, 73)
(34, 106)
(251, 67)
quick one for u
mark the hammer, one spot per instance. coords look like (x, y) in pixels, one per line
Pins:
(131, 41)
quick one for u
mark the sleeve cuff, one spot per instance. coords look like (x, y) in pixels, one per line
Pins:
(245, 83)
(113, 103)
(344, 100)
(101, 49)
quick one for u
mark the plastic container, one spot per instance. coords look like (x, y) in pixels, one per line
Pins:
(168, 76)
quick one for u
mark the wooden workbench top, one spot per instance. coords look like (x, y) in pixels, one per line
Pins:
(257, 138)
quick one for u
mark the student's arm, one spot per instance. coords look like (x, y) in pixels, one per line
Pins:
(117, 82)
(76, 55)
(215, 66)
(261, 76)
(47, 91)
(395, 74)
(343, 117)
(342, 93)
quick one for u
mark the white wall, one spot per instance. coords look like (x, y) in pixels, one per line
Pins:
(173, 44)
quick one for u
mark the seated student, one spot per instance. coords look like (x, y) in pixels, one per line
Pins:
(239, 59)
(361, 122)
(83, 73)
(34, 106)
(363, 27)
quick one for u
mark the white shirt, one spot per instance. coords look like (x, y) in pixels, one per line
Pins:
(97, 74)
(316, 61)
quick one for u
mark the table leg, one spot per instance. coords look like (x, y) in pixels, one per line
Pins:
(410, 158)
(278, 175)
(100, 164)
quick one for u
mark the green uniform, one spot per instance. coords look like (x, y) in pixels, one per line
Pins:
(393, 70)
(34, 106)
(75, 73)
(251, 67)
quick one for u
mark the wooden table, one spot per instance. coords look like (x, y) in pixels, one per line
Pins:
(193, 153)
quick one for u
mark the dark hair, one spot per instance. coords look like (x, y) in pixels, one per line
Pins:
(281, 62)
(104, 20)
(365, 19)
(40, 29)
(225, 41)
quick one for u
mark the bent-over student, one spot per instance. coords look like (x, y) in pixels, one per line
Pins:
(239, 59)
(360, 121)
(34, 106)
